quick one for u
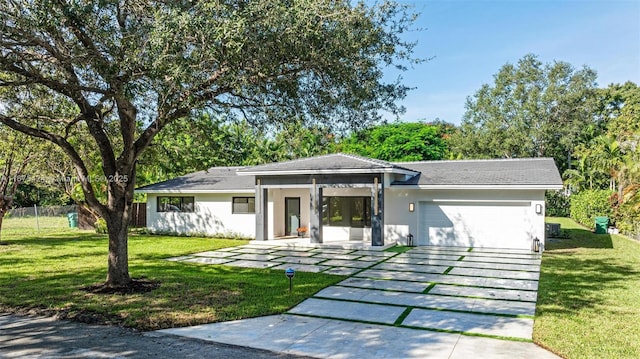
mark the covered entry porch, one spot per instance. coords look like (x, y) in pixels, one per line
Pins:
(332, 208)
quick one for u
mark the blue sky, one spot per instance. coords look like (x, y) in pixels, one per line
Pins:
(470, 40)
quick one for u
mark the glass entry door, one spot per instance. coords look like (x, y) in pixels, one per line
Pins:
(291, 215)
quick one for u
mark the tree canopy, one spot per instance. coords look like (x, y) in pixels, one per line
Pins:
(110, 75)
(401, 141)
(531, 110)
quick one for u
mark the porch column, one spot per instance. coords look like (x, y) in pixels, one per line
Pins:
(262, 215)
(377, 213)
(315, 214)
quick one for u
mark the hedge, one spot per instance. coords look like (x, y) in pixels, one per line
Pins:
(589, 204)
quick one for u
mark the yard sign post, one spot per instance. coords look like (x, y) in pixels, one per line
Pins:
(289, 272)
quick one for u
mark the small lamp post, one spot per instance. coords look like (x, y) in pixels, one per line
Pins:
(536, 245)
(290, 273)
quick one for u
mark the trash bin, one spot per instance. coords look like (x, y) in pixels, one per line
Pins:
(73, 219)
(601, 225)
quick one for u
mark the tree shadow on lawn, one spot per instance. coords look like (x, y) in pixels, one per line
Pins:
(87, 238)
(579, 238)
(569, 283)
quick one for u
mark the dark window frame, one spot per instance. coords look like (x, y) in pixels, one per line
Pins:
(182, 204)
(332, 206)
(250, 202)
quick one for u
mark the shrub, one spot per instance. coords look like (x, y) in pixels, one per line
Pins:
(589, 204)
(557, 204)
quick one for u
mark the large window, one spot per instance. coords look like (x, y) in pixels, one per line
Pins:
(175, 204)
(244, 205)
(346, 211)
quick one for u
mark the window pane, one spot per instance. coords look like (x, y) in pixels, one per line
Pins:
(243, 205)
(188, 204)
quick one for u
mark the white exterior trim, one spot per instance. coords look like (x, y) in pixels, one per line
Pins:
(199, 191)
(328, 172)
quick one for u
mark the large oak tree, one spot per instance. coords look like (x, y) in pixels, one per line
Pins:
(123, 70)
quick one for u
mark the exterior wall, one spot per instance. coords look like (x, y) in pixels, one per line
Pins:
(212, 216)
(399, 222)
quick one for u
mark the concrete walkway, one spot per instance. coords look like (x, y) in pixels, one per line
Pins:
(436, 302)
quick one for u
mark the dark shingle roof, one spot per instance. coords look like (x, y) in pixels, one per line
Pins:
(538, 172)
(213, 179)
(332, 162)
(523, 171)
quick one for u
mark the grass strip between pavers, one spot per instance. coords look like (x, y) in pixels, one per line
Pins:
(402, 317)
(427, 289)
(513, 339)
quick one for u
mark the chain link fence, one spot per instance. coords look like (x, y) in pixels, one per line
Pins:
(38, 219)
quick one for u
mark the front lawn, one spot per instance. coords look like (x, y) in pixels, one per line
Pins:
(589, 295)
(47, 274)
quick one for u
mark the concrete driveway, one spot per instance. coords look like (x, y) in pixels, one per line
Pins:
(436, 302)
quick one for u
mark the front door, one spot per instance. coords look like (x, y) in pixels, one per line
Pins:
(291, 215)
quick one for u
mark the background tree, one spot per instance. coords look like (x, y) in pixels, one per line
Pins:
(530, 110)
(17, 156)
(131, 68)
(401, 141)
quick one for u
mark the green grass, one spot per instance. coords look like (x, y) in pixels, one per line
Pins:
(589, 295)
(46, 273)
(19, 227)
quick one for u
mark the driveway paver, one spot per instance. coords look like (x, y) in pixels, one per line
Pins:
(411, 295)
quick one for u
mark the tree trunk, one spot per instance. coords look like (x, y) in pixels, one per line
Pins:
(1, 219)
(120, 201)
(118, 261)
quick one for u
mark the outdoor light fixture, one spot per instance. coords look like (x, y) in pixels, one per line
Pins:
(412, 206)
(538, 208)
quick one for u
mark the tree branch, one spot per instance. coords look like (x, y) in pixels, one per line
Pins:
(81, 169)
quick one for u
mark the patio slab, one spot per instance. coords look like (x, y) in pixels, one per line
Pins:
(502, 260)
(341, 271)
(299, 260)
(252, 264)
(254, 250)
(397, 298)
(521, 328)
(491, 293)
(215, 254)
(332, 250)
(256, 257)
(328, 338)
(374, 253)
(296, 253)
(208, 260)
(495, 273)
(302, 267)
(346, 263)
(384, 284)
(345, 257)
(371, 258)
(427, 255)
(519, 284)
(411, 267)
(402, 259)
(374, 313)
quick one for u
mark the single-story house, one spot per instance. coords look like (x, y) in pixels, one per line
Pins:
(342, 197)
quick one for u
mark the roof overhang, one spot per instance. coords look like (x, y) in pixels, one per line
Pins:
(195, 191)
(327, 172)
(496, 186)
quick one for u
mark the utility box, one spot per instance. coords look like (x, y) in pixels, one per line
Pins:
(552, 230)
(601, 225)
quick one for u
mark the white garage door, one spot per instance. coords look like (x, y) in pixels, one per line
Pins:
(490, 225)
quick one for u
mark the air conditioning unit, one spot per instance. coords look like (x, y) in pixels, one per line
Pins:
(552, 230)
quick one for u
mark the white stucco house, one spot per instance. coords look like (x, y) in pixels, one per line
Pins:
(342, 197)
